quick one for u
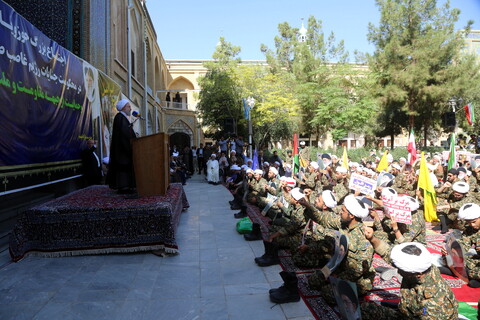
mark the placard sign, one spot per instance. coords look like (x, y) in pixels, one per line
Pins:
(398, 207)
(363, 184)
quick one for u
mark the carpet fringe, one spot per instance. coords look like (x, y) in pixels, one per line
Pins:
(72, 253)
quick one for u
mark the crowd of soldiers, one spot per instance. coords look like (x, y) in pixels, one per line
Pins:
(309, 207)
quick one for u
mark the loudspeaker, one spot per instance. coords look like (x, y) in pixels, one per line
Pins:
(449, 119)
(229, 125)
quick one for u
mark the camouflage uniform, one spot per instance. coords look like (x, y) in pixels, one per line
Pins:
(455, 205)
(341, 190)
(256, 189)
(273, 187)
(446, 192)
(400, 184)
(320, 242)
(291, 233)
(357, 265)
(414, 232)
(429, 298)
(471, 238)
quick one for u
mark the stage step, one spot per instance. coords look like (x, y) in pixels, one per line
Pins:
(12, 207)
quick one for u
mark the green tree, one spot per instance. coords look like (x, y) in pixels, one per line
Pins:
(220, 97)
(418, 63)
(275, 116)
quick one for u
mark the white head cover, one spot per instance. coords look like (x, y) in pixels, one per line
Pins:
(414, 205)
(402, 159)
(355, 206)
(213, 155)
(410, 262)
(334, 156)
(461, 187)
(244, 167)
(297, 194)
(274, 170)
(235, 167)
(291, 182)
(314, 165)
(121, 104)
(233, 151)
(396, 166)
(249, 170)
(469, 211)
(389, 158)
(266, 163)
(249, 160)
(277, 163)
(388, 192)
(341, 170)
(258, 171)
(302, 143)
(329, 199)
(175, 154)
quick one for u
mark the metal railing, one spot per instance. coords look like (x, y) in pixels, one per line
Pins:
(177, 105)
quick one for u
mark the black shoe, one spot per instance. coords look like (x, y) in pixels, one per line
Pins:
(255, 235)
(288, 292)
(235, 207)
(271, 255)
(444, 224)
(240, 215)
(232, 202)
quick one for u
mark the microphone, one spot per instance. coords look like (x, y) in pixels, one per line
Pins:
(137, 115)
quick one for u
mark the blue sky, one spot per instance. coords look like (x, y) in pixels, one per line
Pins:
(190, 29)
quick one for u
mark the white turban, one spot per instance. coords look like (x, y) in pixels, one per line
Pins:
(461, 187)
(249, 170)
(414, 205)
(244, 167)
(274, 170)
(175, 154)
(291, 182)
(314, 165)
(234, 167)
(121, 104)
(388, 192)
(469, 211)
(355, 206)
(411, 262)
(266, 163)
(258, 171)
(341, 170)
(396, 166)
(329, 199)
(402, 159)
(297, 194)
(277, 163)
(213, 155)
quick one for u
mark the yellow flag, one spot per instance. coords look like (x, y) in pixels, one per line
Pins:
(383, 164)
(345, 158)
(429, 196)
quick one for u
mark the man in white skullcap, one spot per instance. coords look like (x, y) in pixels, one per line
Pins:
(447, 209)
(120, 171)
(213, 175)
(357, 266)
(256, 187)
(424, 294)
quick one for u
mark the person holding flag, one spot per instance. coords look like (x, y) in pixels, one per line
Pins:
(412, 150)
(429, 197)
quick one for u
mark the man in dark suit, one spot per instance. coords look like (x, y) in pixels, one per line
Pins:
(120, 173)
(92, 169)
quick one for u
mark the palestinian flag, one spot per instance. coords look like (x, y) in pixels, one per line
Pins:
(412, 150)
(469, 112)
(296, 160)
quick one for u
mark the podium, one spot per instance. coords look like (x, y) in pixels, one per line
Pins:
(151, 164)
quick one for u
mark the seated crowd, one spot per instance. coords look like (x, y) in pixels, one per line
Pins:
(309, 207)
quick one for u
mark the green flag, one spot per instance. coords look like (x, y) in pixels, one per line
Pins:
(452, 156)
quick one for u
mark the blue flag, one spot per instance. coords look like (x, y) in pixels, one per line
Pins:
(255, 160)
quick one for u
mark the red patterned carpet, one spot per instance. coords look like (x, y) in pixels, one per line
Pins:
(383, 290)
(97, 220)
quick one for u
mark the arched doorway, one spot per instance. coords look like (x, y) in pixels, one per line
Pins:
(180, 140)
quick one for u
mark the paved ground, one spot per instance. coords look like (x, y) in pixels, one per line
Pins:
(213, 277)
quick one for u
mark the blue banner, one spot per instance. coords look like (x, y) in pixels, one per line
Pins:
(46, 96)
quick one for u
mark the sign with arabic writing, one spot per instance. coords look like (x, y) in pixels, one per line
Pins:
(398, 207)
(363, 184)
(46, 96)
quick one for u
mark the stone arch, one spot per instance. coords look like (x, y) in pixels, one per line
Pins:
(181, 83)
(180, 126)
